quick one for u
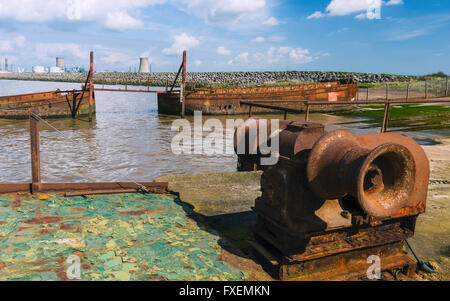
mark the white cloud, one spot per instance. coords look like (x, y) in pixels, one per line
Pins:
(122, 21)
(51, 50)
(113, 14)
(232, 13)
(394, 2)
(258, 40)
(348, 7)
(222, 51)
(111, 57)
(182, 42)
(11, 45)
(271, 22)
(198, 62)
(241, 59)
(286, 53)
(316, 15)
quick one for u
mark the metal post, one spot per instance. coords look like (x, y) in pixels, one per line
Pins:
(91, 85)
(446, 87)
(35, 152)
(407, 91)
(183, 84)
(387, 92)
(307, 112)
(384, 126)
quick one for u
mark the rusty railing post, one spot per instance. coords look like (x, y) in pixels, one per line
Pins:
(91, 84)
(307, 112)
(446, 87)
(183, 97)
(407, 91)
(384, 126)
(387, 92)
(35, 152)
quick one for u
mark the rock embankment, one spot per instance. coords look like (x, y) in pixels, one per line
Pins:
(209, 78)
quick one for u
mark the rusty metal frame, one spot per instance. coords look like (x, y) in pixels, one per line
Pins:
(308, 103)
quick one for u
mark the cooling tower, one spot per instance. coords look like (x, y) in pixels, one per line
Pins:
(60, 62)
(143, 67)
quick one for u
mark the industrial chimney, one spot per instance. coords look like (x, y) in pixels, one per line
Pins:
(60, 62)
(143, 67)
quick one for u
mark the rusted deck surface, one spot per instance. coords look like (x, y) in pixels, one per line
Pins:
(117, 237)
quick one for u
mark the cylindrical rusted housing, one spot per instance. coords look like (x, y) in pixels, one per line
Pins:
(381, 175)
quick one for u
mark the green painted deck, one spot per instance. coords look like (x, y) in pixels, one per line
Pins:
(117, 237)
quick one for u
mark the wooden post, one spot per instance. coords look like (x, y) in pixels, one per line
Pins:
(307, 112)
(35, 152)
(446, 87)
(387, 92)
(285, 115)
(183, 79)
(384, 126)
(250, 111)
(407, 91)
(91, 85)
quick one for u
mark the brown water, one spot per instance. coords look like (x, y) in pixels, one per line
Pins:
(127, 141)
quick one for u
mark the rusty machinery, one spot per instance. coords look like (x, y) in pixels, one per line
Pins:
(334, 199)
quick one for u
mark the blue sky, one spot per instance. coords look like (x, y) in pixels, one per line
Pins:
(390, 36)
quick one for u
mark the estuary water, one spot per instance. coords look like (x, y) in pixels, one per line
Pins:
(127, 140)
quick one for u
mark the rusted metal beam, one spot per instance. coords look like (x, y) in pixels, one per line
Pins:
(35, 152)
(62, 187)
(91, 84)
(183, 86)
(260, 105)
(94, 192)
(129, 90)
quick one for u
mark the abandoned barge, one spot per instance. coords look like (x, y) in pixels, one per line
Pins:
(227, 101)
(51, 104)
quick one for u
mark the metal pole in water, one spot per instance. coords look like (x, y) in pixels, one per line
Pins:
(35, 152)
(183, 85)
(91, 85)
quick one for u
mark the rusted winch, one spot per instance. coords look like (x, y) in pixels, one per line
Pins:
(335, 199)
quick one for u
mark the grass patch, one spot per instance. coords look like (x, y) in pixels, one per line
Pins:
(407, 117)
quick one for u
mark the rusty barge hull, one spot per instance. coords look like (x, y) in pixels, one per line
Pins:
(51, 104)
(226, 101)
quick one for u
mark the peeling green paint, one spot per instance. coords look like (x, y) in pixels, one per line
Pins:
(117, 237)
